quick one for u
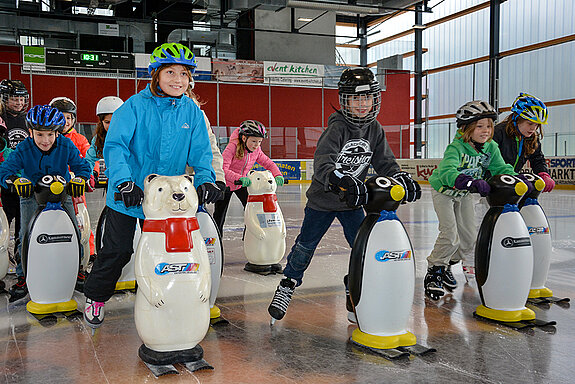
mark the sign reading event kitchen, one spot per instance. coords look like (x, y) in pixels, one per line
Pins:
(276, 72)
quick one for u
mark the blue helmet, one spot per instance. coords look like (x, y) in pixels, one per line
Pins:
(45, 118)
(172, 53)
(530, 108)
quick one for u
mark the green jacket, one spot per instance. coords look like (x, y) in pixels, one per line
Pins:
(461, 157)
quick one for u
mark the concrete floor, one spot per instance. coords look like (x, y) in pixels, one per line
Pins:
(311, 343)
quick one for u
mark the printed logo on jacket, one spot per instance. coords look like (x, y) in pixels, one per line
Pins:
(354, 157)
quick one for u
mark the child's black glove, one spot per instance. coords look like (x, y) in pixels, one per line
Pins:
(468, 183)
(131, 194)
(349, 188)
(76, 187)
(209, 193)
(222, 186)
(22, 185)
(412, 188)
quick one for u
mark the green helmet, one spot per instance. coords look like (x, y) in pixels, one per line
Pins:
(172, 53)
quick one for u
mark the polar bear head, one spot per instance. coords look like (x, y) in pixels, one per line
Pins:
(262, 182)
(169, 196)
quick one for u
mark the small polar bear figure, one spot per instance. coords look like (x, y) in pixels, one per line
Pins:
(264, 240)
(172, 310)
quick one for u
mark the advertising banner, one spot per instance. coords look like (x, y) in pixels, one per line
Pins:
(281, 73)
(242, 71)
(290, 169)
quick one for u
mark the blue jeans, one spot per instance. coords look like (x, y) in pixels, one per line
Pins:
(315, 225)
(28, 207)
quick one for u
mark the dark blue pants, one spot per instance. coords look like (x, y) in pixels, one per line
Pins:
(315, 225)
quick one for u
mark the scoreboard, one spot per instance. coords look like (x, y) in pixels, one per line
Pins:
(107, 61)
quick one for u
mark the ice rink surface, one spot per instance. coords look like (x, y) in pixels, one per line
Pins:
(311, 343)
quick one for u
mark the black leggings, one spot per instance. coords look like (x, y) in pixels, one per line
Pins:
(117, 249)
(221, 207)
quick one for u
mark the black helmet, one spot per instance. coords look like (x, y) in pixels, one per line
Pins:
(64, 105)
(473, 111)
(13, 88)
(253, 128)
(354, 83)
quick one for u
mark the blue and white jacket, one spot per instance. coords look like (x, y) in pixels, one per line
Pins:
(161, 135)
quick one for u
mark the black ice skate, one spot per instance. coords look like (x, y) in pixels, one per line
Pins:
(434, 282)
(449, 281)
(281, 300)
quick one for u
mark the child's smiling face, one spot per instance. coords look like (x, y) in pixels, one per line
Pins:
(174, 80)
(43, 139)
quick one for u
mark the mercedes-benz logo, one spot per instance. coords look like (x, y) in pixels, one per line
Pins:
(507, 242)
(42, 239)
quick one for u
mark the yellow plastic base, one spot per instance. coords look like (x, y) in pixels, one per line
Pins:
(505, 316)
(543, 292)
(125, 285)
(215, 312)
(383, 342)
(44, 309)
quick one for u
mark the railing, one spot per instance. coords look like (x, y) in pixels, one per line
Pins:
(438, 135)
(293, 142)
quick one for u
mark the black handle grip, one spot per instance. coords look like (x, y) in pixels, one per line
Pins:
(117, 196)
(237, 182)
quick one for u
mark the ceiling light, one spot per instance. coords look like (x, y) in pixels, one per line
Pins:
(304, 19)
(202, 11)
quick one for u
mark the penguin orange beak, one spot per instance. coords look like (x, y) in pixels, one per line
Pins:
(57, 188)
(539, 185)
(521, 188)
(397, 192)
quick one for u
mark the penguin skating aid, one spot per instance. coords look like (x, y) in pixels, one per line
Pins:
(539, 231)
(504, 257)
(51, 252)
(382, 275)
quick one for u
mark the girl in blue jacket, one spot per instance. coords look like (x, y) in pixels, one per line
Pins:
(155, 131)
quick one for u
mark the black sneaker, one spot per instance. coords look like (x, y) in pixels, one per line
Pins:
(282, 298)
(18, 290)
(449, 281)
(434, 282)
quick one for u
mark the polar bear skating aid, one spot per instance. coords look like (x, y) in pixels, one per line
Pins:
(264, 240)
(172, 311)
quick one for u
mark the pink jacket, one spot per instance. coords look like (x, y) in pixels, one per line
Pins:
(235, 168)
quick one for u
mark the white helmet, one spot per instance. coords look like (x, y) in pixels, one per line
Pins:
(108, 105)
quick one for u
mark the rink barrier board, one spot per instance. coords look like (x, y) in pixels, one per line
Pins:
(561, 169)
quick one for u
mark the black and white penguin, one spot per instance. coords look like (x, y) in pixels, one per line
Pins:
(538, 227)
(382, 270)
(51, 251)
(503, 254)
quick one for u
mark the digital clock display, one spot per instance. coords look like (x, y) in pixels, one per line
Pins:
(90, 57)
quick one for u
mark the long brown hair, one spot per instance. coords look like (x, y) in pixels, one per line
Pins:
(469, 128)
(100, 135)
(530, 144)
(241, 148)
(154, 85)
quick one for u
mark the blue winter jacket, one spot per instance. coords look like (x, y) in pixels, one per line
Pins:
(35, 164)
(161, 135)
(91, 156)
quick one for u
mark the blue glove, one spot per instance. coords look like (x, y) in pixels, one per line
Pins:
(279, 180)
